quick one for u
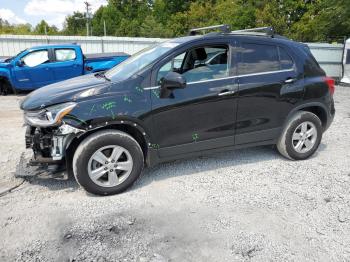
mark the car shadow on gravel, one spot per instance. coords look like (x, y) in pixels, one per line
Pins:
(59, 180)
(233, 158)
(190, 166)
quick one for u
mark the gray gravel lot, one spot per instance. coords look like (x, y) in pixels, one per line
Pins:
(250, 204)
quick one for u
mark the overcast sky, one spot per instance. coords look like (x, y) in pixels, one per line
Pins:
(33, 11)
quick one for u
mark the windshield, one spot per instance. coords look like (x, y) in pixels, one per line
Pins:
(9, 59)
(138, 61)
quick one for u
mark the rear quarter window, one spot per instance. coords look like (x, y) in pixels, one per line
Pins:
(258, 58)
(285, 59)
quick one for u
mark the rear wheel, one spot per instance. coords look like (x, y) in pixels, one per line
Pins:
(301, 136)
(107, 162)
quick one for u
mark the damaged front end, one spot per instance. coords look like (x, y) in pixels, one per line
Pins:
(47, 135)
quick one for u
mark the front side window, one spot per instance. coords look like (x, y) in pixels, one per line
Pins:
(36, 58)
(65, 54)
(198, 64)
(348, 56)
(258, 58)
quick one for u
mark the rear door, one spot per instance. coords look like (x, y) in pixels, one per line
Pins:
(202, 115)
(66, 63)
(269, 86)
(34, 70)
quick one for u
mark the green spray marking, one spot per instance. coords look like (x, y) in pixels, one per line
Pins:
(113, 115)
(127, 99)
(139, 89)
(154, 146)
(195, 137)
(109, 105)
(156, 93)
(92, 110)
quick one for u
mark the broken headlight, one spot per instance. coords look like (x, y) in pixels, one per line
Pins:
(50, 116)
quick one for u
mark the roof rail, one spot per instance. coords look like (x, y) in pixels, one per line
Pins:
(222, 28)
(268, 30)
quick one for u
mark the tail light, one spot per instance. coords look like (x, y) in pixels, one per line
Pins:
(331, 84)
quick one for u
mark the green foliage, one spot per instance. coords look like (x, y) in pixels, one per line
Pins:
(43, 28)
(75, 24)
(303, 20)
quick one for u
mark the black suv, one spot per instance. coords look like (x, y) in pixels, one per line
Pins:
(182, 98)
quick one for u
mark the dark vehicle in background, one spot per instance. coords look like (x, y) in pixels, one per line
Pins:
(185, 97)
(43, 65)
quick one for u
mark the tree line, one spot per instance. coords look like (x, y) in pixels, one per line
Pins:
(302, 20)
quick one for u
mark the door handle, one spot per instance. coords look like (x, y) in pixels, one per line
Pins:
(289, 80)
(226, 92)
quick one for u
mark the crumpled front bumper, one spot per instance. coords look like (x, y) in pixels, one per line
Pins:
(49, 144)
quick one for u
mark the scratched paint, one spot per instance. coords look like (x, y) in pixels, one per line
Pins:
(75, 118)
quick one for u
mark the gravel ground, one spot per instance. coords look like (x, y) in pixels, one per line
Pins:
(250, 204)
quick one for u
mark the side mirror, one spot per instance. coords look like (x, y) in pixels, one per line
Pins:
(171, 81)
(20, 63)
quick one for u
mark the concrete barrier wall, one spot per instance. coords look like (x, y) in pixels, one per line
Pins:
(13, 44)
(328, 55)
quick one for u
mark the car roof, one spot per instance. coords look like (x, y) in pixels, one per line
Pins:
(54, 45)
(252, 37)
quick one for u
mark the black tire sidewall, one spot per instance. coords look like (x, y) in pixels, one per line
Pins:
(105, 139)
(288, 140)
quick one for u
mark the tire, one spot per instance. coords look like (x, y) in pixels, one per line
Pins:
(6, 88)
(86, 166)
(296, 144)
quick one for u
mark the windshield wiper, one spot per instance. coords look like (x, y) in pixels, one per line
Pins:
(102, 74)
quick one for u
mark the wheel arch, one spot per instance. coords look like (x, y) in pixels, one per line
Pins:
(129, 127)
(316, 108)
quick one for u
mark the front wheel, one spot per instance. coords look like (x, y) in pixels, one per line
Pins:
(107, 162)
(301, 136)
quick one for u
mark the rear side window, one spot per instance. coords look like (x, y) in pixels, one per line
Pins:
(348, 57)
(258, 58)
(65, 54)
(285, 59)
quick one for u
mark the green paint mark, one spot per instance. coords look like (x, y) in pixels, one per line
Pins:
(92, 110)
(127, 99)
(113, 115)
(154, 146)
(156, 93)
(109, 105)
(139, 89)
(195, 137)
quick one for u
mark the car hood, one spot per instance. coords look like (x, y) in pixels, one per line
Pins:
(3, 64)
(65, 91)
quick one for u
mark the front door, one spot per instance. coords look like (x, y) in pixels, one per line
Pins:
(33, 70)
(202, 115)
